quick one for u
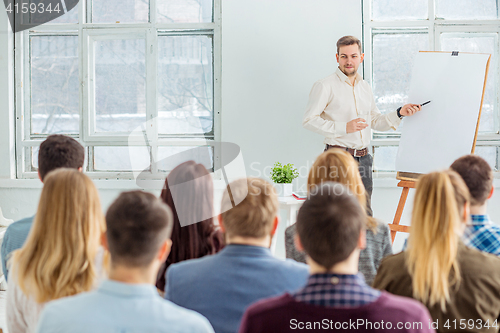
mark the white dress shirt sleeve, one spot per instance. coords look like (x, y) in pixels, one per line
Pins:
(383, 122)
(318, 100)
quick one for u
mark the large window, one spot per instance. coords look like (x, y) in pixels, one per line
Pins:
(135, 81)
(394, 31)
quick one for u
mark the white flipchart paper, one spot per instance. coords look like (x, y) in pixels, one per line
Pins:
(444, 129)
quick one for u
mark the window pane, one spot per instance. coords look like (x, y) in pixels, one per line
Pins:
(54, 84)
(184, 11)
(399, 10)
(50, 11)
(479, 44)
(466, 9)
(120, 85)
(489, 154)
(120, 11)
(393, 56)
(69, 17)
(121, 158)
(170, 157)
(185, 85)
(384, 158)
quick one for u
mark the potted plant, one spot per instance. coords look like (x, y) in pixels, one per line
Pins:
(282, 176)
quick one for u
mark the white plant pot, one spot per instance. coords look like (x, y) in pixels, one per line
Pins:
(284, 190)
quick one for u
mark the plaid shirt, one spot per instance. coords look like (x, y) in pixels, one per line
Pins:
(482, 234)
(335, 290)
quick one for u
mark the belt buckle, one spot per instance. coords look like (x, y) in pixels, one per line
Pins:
(355, 151)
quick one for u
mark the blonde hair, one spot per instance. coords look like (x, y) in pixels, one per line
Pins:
(58, 258)
(249, 207)
(431, 256)
(339, 166)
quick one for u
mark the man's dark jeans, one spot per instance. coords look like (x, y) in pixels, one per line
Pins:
(365, 165)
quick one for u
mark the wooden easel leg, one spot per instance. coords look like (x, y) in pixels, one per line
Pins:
(399, 211)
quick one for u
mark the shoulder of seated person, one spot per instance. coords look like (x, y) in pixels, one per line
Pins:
(395, 302)
(472, 255)
(20, 223)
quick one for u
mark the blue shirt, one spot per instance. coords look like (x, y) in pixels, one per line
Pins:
(336, 290)
(223, 285)
(482, 234)
(120, 307)
(14, 239)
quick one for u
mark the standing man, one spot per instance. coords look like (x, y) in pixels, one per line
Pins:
(342, 108)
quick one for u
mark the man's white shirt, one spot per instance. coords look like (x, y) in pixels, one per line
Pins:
(333, 102)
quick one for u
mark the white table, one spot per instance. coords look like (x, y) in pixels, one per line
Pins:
(291, 206)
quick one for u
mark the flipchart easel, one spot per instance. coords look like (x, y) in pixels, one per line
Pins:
(408, 180)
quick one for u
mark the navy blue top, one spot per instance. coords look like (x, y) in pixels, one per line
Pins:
(223, 285)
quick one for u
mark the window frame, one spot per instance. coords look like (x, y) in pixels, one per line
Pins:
(434, 27)
(87, 32)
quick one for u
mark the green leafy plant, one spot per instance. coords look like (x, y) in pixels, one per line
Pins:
(283, 174)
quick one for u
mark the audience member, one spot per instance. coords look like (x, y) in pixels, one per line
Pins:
(339, 166)
(60, 257)
(188, 191)
(457, 283)
(138, 240)
(331, 229)
(221, 286)
(480, 232)
(57, 151)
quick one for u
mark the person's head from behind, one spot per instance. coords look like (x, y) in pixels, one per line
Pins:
(249, 212)
(337, 165)
(440, 211)
(58, 258)
(138, 227)
(349, 55)
(478, 177)
(59, 151)
(330, 227)
(188, 191)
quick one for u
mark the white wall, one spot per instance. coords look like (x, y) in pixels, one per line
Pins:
(273, 52)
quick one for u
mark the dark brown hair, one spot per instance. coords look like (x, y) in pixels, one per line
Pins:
(348, 40)
(477, 175)
(188, 191)
(59, 151)
(137, 225)
(329, 224)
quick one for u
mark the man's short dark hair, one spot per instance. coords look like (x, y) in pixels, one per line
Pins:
(348, 40)
(59, 151)
(477, 175)
(329, 224)
(137, 225)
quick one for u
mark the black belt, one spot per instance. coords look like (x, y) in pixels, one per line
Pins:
(353, 152)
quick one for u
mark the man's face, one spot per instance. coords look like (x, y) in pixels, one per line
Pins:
(349, 58)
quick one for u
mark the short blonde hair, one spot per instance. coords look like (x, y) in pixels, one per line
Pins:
(249, 207)
(58, 258)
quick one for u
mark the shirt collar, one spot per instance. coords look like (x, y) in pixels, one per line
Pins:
(335, 279)
(346, 79)
(127, 289)
(479, 219)
(245, 250)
